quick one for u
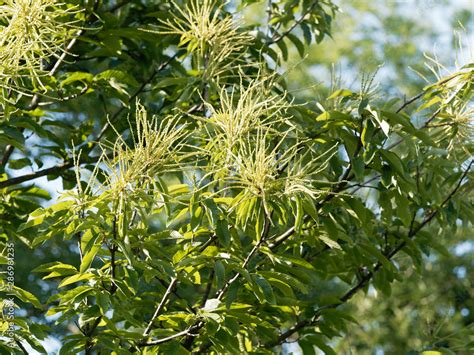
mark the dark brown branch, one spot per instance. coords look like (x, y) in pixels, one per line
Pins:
(90, 331)
(54, 170)
(171, 289)
(410, 101)
(426, 125)
(364, 184)
(415, 98)
(433, 116)
(37, 174)
(113, 249)
(266, 229)
(113, 288)
(79, 239)
(82, 92)
(420, 95)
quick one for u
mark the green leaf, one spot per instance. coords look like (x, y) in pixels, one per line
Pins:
(340, 93)
(359, 166)
(298, 44)
(56, 269)
(286, 279)
(13, 136)
(329, 242)
(283, 49)
(433, 101)
(223, 234)
(372, 250)
(299, 214)
(318, 341)
(265, 287)
(75, 278)
(17, 164)
(83, 77)
(32, 222)
(118, 75)
(89, 257)
(294, 260)
(27, 297)
(211, 305)
(166, 82)
(394, 161)
(220, 274)
(384, 125)
(309, 207)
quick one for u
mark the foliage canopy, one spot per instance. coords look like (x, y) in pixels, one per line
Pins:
(205, 207)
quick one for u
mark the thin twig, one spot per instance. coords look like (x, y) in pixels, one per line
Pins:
(187, 332)
(113, 250)
(423, 92)
(220, 294)
(160, 307)
(410, 101)
(278, 38)
(170, 290)
(88, 346)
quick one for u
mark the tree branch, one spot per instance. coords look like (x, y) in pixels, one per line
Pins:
(88, 346)
(158, 309)
(56, 169)
(169, 290)
(420, 95)
(37, 174)
(187, 332)
(410, 101)
(220, 294)
(368, 277)
(277, 38)
(113, 250)
(188, 341)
